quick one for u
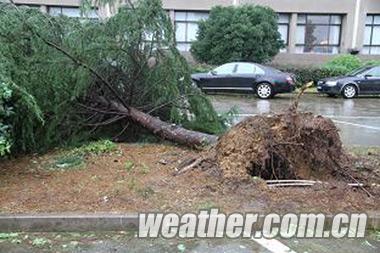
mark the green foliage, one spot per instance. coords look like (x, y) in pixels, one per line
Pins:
(338, 66)
(8, 235)
(143, 66)
(311, 74)
(6, 111)
(145, 169)
(146, 192)
(13, 101)
(244, 33)
(96, 148)
(129, 165)
(40, 242)
(69, 161)
(201, 68)
(344, 63)
(75, 157)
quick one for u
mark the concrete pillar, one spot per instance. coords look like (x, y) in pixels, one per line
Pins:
(361, 26)
(172, 16)
(346, 34)
(292, 33)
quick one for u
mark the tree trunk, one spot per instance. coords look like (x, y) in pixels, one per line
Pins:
(166, 130)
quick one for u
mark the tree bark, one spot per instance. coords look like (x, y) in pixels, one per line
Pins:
(166, 130)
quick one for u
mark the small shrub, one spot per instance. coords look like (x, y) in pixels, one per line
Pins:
(340, 65)
(345, 63)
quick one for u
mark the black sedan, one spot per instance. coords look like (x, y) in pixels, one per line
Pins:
(364, 81)
(243, 76)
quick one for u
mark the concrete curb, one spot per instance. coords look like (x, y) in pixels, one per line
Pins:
(67, 222)
(102, 222)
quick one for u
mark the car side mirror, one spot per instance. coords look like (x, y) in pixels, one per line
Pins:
(367, 76)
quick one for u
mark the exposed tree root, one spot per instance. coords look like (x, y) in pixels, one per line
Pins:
(293, 146)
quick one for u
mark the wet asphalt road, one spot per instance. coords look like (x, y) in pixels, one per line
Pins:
(358, 119)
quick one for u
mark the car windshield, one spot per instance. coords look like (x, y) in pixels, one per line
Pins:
(359, 71)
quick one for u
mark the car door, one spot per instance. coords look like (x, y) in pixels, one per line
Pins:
(245, 76)
(370, 82)
(221, 77)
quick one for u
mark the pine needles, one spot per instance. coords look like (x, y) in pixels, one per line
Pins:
(134, 52)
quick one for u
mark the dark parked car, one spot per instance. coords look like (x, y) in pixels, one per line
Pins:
(243, 76)
(362, 81)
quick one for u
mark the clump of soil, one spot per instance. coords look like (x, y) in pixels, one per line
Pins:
(284, 146)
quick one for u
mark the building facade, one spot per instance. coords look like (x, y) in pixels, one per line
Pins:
(313, 31)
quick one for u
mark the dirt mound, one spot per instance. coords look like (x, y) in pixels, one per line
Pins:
(286, 146)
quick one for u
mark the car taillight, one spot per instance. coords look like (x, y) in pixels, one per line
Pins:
(290, 80)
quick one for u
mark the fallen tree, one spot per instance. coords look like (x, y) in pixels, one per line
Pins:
(94, 79)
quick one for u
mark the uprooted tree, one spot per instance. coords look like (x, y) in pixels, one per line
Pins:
(64, 80)
(90, 79)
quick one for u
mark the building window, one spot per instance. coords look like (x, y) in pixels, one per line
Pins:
(318, 33)
(283, 28)
(72, 12)
(372, 35)
(186, 24)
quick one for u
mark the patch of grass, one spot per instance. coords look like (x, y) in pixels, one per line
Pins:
(75, 157)
(6, 236)
(375, 234)
(129, 165)
(207, 205)
(145, 192)
(68, 161)
(145, 169)
(131, 184)
(98, 147)
(40, 242)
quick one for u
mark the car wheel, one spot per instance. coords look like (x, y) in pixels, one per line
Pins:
(349, 91)
(264, 90)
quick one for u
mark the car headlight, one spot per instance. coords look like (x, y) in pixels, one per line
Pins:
(331, 83)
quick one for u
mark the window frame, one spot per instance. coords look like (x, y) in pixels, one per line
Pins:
(372, 26)
(328, 25)
(285, 24)
(186, 22)
(61, 7)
